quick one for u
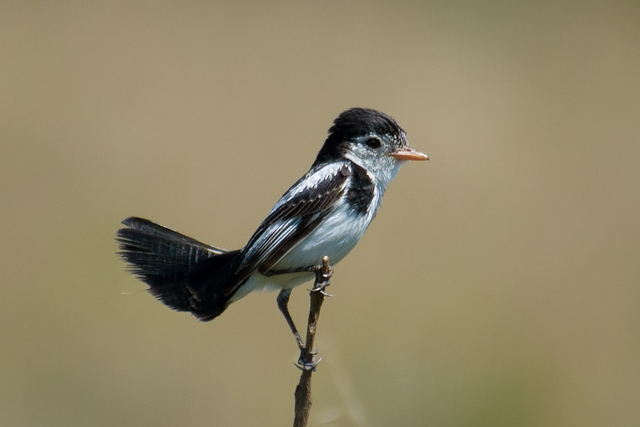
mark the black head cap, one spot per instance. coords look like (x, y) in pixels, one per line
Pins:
(353, 123)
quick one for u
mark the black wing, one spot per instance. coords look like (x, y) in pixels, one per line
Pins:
(294, 217)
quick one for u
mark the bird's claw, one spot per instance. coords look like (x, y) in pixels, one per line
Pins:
(310, 365)
(322, 280)
(322, 291)
(307, 366)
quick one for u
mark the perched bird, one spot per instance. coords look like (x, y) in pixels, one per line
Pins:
(325, 213)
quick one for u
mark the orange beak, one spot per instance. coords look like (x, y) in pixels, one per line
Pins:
(408, 153)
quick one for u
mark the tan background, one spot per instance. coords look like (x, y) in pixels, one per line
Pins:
(499, 285)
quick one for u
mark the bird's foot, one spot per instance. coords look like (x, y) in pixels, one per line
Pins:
(323, 279)
(322, 291)
(310, 365)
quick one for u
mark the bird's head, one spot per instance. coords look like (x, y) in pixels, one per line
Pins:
(370, 139)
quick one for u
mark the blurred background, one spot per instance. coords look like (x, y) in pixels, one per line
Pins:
(498, 286)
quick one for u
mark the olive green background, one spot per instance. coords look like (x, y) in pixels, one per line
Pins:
(498, 286)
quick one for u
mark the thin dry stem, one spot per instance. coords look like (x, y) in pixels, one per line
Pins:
(302, 394)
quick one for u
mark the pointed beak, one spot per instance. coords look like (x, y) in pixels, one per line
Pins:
(408, 153)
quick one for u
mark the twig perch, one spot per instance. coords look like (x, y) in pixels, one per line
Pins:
(308, 362)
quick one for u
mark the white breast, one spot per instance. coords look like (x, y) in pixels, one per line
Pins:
(336, 236)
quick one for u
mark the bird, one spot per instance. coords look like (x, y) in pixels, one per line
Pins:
(325, 213)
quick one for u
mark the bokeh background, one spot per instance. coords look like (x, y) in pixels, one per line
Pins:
(498, 286)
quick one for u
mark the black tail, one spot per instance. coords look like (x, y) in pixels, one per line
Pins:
(183, 273)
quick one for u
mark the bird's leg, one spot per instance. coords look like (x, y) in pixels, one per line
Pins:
(323, 275)
(283, 301)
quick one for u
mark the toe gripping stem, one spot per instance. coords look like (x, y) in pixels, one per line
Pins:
(323, 277)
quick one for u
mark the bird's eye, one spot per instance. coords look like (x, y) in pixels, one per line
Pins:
(373, 143)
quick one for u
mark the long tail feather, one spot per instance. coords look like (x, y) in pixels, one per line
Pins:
(183, 273)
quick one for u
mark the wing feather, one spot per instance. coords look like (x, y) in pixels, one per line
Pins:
(293, 218)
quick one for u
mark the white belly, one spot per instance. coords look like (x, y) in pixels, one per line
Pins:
(335, 238)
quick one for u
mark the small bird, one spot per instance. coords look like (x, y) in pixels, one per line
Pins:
(325, 213)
